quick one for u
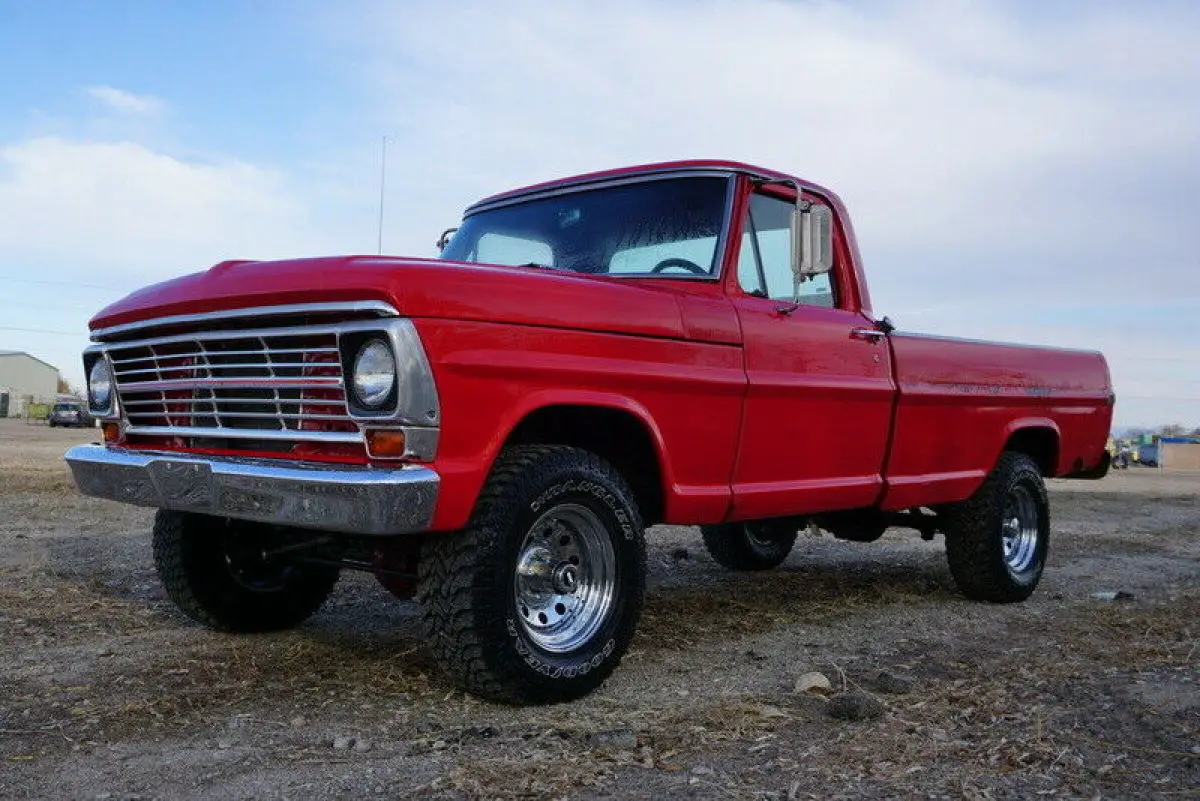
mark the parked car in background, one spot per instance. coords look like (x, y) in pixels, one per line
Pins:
(70, 414)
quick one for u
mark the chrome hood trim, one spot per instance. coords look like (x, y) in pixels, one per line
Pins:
(376, 307)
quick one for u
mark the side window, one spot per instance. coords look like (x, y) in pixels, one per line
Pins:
(749, 276)
(764, 263)
(512, 250)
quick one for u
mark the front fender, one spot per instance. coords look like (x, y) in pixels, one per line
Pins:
(491, 377)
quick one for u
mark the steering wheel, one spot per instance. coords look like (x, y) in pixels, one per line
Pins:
(684, 264)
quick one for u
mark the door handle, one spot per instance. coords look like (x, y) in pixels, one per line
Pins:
(869, 334)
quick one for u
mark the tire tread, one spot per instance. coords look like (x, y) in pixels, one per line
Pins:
(215, 600)
(458, 571)
(727, 544)
(971, 528)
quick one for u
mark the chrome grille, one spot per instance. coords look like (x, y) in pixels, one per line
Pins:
(281, 384)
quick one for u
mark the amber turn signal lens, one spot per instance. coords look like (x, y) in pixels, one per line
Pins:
(111, 431)
(385, 444)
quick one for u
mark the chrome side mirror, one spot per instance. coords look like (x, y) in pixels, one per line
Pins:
(812, 240)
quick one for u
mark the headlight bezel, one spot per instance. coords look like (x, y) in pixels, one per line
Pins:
(414, 399)
(100, 403)
(381, 397)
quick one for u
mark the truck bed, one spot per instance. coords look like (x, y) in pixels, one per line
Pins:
(960, 401)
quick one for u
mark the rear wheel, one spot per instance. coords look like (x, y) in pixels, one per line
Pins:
(997, 540)
(537, 599)
(754, 545)
(230, 576)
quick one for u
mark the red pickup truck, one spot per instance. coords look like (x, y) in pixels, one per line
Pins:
(492, 431)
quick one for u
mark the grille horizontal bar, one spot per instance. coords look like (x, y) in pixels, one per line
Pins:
(229, 401)
(249, 382)
(257, 352)
(259, 415)
(218, 366)
(227, 433)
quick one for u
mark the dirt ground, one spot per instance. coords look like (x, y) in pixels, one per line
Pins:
(107, 692)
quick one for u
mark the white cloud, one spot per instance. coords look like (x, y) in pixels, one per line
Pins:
(95, 220)
(992, 161)
(127, 102)
(132, 213)
(940, 128)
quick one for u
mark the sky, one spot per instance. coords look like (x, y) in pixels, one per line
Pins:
(1022, 171)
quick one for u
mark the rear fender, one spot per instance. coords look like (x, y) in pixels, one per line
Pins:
(1037, 437)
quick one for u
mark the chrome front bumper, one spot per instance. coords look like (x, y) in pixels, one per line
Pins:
(342, 498)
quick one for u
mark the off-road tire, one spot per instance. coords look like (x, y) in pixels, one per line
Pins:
(759, 545)
(468, 583)
(975, 533)
(194, 559)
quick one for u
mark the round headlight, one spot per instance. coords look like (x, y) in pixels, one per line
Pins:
(374, 373)
(100, 384)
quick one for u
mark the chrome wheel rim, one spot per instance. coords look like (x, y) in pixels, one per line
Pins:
(1021, 525)
(565, 578)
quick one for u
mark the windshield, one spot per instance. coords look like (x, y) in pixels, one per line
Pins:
(66, 407)
(653, 227)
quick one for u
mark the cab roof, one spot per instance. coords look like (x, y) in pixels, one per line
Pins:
(708, 166)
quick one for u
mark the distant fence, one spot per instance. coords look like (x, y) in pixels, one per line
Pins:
(1179, 454)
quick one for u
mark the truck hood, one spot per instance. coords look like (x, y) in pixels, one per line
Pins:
(420, 288)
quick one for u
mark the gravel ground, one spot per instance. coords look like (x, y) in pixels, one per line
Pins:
(107, 692)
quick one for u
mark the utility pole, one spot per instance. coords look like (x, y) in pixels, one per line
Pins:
(382, 184)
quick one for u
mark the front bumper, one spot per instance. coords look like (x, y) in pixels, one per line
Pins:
(341, 498)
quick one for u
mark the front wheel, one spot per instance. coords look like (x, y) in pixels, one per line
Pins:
(229, 575)
(997, 540)
(537, 599)
(753, 545)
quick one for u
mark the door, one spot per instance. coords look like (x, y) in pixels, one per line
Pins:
(819, 403)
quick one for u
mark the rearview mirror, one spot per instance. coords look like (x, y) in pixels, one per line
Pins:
(812, 240)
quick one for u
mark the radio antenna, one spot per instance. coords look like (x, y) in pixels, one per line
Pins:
(382, 184)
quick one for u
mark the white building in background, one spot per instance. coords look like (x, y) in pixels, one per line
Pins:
(25, 379)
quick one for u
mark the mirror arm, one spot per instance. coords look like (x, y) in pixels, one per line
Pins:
(444, 239)
(803, 204)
